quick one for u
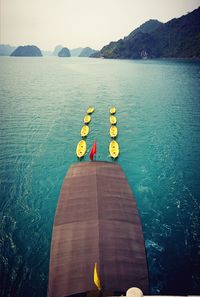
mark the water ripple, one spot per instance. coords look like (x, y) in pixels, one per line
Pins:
(43, 102)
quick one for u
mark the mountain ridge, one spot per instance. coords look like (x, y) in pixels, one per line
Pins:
(75, 52)
(64, 52)
(87, 51)
(6, 49)
(177, 38)
(27, 51)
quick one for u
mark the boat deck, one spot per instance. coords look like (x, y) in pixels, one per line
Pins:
(96, 221)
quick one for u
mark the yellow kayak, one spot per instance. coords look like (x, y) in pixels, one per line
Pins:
(113, 120)
(87, 119)
(112, 110)
(81, 149)
(90, 110)
(85, 130)
(114, 149)
(113, 131)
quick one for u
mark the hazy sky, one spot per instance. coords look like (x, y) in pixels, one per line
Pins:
(80, 23)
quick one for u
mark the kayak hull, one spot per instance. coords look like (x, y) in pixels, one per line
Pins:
(85, 130)
(114, 149)
(81, 149)
(112, 110)
(87, 119)
(113, 120)
(90, 110)
(113, 131)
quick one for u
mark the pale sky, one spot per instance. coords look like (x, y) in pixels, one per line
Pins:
(81, 23)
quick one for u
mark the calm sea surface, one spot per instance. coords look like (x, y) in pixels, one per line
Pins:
(42, 105)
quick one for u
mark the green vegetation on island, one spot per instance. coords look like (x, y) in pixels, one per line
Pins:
(178, 38)
(27, 51)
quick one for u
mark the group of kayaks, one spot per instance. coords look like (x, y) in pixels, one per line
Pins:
(113, 147)
(87, 119)
(81, 146)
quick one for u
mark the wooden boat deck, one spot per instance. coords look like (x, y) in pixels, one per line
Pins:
(96, 221)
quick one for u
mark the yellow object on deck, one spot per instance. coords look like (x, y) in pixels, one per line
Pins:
(87, 119)
(113, 120)
(113, 131)
(96, 278)
(85, 130)
(114, 149)
(90, 110)
(112, 110)
(81, 149)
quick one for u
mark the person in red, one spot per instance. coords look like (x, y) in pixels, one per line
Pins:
(93, 150)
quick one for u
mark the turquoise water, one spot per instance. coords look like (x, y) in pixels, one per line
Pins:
(43, 102)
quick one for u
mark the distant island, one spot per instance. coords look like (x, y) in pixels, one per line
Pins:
(27, 51)
(6, 49)
(178, 38)
(33, 51)
(57, 49)
(64, 52)
(76, 51)
(87, 51)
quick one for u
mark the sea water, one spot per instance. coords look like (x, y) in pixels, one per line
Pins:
(42, 104)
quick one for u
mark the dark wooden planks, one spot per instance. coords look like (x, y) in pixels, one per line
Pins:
(96, 221)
